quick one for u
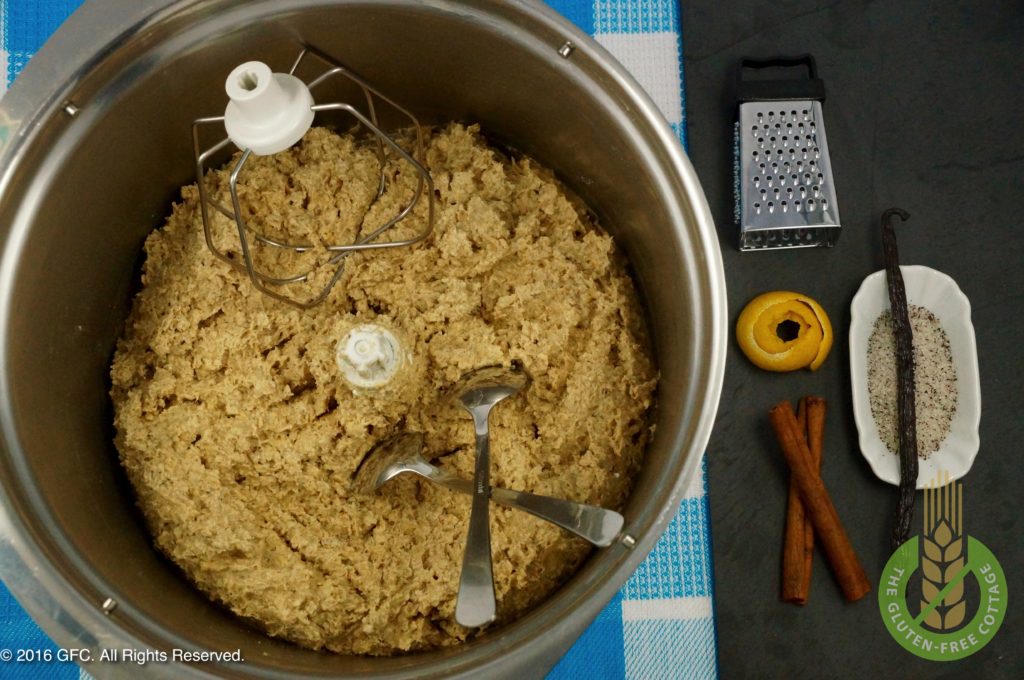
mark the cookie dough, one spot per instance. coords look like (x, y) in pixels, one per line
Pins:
(240, 435)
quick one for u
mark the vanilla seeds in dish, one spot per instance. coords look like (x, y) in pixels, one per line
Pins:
(240, 434)
(935, 380)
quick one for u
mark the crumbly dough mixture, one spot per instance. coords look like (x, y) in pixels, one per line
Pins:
(241, 437)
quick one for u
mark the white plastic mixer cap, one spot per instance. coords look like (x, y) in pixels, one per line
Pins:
(369, 356)
(268, 112)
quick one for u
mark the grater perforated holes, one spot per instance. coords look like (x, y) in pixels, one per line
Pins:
(789, 188)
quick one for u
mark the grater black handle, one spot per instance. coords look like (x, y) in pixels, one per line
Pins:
(811, 87)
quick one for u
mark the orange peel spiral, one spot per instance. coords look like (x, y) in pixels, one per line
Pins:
(759, 331)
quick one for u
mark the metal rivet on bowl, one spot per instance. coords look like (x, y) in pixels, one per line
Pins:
(566, 49)
(71, 109)
(628, 540)
(109, 605)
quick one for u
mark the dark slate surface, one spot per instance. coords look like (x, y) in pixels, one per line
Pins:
(925, 111)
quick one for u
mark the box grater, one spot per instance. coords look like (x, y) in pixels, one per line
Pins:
(786, 195)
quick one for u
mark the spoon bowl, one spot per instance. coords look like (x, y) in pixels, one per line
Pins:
(387, 459)
(487, 386)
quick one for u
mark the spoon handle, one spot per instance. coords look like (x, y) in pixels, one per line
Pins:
(597, 525)
(475, 605)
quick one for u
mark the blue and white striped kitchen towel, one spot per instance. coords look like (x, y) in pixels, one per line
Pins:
(660, 625)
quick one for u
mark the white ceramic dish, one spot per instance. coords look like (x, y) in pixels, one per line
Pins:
(938, 293)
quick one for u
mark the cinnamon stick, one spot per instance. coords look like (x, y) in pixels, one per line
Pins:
(815, 442)
(794, 563)
(818, 505)
(798, 547)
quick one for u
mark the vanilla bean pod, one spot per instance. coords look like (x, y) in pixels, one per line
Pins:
(906, 412)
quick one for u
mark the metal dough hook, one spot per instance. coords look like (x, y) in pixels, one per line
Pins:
(269, 112)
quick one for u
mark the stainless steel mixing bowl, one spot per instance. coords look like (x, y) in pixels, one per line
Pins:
(97, 144)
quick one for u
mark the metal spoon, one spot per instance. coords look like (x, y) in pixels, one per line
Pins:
(478, 392)
(402, 453)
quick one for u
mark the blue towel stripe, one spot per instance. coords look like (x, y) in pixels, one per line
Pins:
(20, 633)
(26, 26)
(631, 16)
(599, 653)
(580, 13)
(679, 564)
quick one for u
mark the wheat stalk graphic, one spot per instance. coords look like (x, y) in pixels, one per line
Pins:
(943, 554)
